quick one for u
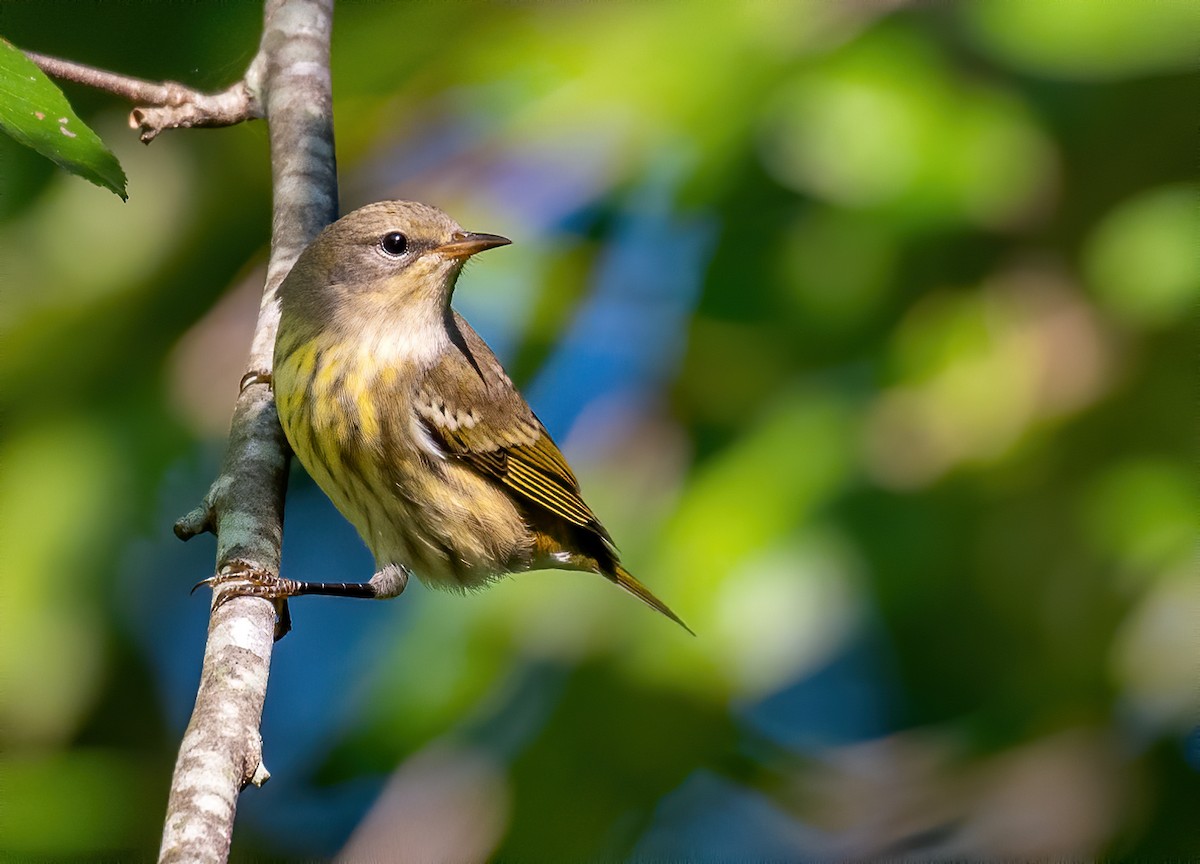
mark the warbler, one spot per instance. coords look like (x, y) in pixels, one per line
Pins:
(407, 421)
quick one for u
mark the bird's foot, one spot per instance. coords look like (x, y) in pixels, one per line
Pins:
(242, 579)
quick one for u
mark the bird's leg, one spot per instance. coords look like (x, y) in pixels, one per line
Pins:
(242, 579)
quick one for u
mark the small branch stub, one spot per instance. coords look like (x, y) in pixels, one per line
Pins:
(195, 522)
(188, 109)
(261, 775)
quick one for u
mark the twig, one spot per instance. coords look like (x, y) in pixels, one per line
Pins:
(222, 749)
(168, 104)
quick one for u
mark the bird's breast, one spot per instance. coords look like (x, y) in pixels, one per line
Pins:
(351, 420)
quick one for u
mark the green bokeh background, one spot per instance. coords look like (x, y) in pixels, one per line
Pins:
(870, 331)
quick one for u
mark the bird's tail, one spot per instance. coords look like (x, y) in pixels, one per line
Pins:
(630, 583)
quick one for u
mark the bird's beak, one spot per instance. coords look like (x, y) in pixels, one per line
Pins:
(464, 244)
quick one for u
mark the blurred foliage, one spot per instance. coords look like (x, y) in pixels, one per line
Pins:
(868, 329)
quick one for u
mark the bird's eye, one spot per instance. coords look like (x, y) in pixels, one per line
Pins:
(393, 243)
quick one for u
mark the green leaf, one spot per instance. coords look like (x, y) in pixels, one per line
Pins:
(35, 112)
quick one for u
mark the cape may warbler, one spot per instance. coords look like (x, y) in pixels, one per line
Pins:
(404, 417)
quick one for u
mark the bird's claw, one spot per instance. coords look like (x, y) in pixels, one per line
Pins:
(254, 376)
(242, 579)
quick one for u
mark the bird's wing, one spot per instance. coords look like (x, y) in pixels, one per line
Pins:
(474, 413)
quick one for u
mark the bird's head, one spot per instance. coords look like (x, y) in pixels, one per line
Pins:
(393, 258)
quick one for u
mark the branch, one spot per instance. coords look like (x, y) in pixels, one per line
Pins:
(168, 105)
(222, 748)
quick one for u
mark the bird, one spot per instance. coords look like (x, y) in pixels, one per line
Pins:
(403, 416)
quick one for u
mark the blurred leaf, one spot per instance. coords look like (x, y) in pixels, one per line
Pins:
(1142, 512)
(59, 495)
(837, 268)
(35, 112)
(1148, 660)
(1080, 39)
(751, 494)
(886, 126)
(783, 613)
(1141, 260)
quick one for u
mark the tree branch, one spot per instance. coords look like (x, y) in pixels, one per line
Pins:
(168, 105)
(221, 751)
